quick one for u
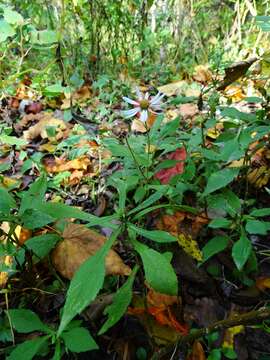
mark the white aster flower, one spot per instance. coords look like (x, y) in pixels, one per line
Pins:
(143, 105)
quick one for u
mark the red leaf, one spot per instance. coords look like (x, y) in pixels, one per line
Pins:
(165, 175)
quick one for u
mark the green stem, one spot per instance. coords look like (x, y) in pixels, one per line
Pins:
(135, 160)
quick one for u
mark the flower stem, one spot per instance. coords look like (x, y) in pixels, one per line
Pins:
(135, 160)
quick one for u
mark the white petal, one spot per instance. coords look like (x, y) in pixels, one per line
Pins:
(138, 93)
(146, 96)
(156, 99)
(156, 107)
(130, 113)
(144, 116)
(130, 101)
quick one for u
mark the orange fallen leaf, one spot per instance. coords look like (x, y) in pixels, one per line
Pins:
(263, 283)
(159, 306)
(59, 165)
(197, 352)
(78, 245)
(164, 175)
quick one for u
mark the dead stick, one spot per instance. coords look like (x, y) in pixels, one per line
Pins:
(252, 317)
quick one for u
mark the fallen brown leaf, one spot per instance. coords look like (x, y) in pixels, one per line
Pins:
(197, 352)
(78, 245)
(40, 129)
(202, 74)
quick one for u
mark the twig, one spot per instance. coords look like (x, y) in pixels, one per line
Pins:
(249, 318)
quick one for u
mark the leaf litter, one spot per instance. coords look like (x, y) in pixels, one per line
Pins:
(165, 318)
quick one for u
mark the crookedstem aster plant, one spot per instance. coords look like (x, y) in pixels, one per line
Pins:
(143, 105)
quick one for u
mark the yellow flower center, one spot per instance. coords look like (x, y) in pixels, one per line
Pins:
(144, 104)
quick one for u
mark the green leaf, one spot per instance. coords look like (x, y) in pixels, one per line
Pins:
(170, 128)
(257, 227)
(6, 30)
(220, 223)
(165, 164)
(44, 37)
(122, 191)
(79, 340)
(169, 206)
(34, 219)
(139, 194)
(7, 202)
(260, 212)
(62, 211)
(54, 90)
(159, 273)
(233, 113)
(263, 22)
(28, 349)
(215, 354)
(86, 283)
(42, 245)
(214, 246)
(151, 200)
(155, 235)
(35, 194)
(12, 140)
(220, 179)
(57, 351)
(26, 321)
(13, 17)
(241, 251)
(121, 300)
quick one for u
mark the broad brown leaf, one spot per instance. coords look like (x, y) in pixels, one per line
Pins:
(78, 245)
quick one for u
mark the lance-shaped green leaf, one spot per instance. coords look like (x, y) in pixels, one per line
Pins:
(154, 235)
(149, 201)
(86, 283)
(28, 349)
(7, 202)
(159, 273)
(241, 251)
(26, 321)
(220, 179)
(121, 300)
(79, 340)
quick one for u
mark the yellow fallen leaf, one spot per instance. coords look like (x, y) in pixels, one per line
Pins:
(259, 177)
(228, 340)
(213, 133)
(78, 245)
(235, 93)
(48, 147)
(190, 246)
(263, 283)
(174, 88)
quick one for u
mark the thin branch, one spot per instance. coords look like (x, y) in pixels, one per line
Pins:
(249, 318)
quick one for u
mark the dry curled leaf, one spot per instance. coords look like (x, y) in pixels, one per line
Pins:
(78, 245)
(202, 74)
(58, 165)
(40, 129)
